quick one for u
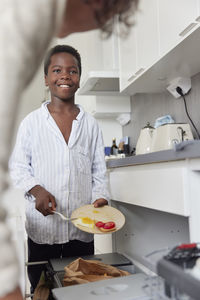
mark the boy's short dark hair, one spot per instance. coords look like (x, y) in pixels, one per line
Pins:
(60, 49)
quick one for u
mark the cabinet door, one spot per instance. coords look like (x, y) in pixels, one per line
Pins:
(127, 59)
(110, 53)
(140, 50)
(147, 34)
(176, 19)
(198, 11)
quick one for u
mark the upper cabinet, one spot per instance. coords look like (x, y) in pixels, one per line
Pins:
(176, 20)
(102, 77)
(163, 44)
(141, 49)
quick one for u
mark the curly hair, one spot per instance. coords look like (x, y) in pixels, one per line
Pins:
(124, 9)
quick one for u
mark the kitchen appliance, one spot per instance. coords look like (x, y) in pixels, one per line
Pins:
(116, 288)
(55, 267)
(167, 135)
(144, 142)
(172, 282)
(175, 269)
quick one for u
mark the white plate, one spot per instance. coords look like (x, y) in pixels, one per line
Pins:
(105, 214)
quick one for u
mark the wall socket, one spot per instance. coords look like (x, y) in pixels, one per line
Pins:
(183, 82)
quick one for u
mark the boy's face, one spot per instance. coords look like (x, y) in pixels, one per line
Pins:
(63, 76)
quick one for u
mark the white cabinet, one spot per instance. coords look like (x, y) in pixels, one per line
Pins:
(176, 20)
(102, 76)
(163, 45)
(160, 186)
(147, 34)
(171, 187)
(140, 50)
(198, 11)
(127, 59)
(109, 107)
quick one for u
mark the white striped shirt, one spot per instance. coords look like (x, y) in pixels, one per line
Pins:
(75, 173)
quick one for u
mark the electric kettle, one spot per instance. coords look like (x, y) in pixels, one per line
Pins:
(165, 136)
(144, 142)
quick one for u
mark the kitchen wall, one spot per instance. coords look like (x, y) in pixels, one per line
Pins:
(148, 107)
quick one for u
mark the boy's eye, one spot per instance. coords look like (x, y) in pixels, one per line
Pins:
(56, 70)
(73, 72)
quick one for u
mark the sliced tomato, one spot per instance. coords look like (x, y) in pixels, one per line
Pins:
(109, 225)
(99, 224)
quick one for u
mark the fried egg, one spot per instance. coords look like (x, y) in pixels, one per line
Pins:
(86, 222)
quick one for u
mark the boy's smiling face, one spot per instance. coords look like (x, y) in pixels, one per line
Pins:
(63, 76)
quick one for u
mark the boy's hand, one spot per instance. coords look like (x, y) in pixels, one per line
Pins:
(100, 202)
(45, 201)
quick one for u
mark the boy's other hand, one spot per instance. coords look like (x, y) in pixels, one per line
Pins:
(100, 202)
(45, 201)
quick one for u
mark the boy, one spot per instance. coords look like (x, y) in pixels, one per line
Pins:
(58, 160)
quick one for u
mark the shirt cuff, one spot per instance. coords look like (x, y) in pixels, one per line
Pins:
(30, 184)
(96, 196)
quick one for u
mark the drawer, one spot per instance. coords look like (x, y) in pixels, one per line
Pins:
(160, 186)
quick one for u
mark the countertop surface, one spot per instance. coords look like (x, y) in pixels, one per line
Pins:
(184, 150)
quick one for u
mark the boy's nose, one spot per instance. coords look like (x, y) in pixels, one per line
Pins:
(65, 75)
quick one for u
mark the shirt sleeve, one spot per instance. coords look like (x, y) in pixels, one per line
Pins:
(21, 171)
(9, 267)
(99, 171)
(26, 30)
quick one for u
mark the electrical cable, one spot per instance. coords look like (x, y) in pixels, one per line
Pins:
(180, 92)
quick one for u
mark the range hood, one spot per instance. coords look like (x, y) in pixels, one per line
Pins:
(100, 83)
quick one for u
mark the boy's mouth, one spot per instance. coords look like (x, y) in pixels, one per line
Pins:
(64, 85)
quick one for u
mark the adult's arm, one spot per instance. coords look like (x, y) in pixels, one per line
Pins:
(9, 268)
(26, 29)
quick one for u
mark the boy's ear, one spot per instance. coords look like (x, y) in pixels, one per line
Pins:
(45, 80)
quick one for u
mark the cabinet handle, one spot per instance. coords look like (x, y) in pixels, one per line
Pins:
(136, 74)
(187, 29)
(131, 77)
(197, 19)
(139, 71)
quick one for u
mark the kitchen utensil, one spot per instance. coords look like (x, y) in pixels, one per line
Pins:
(167, 135)
(105, 214)
(145, 139)
(63, 217)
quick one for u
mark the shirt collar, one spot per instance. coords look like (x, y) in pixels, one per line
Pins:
(46, 112)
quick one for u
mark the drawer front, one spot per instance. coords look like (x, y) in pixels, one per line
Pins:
(161, 186)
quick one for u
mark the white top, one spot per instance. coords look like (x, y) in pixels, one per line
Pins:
(26, 29)
(74, 173)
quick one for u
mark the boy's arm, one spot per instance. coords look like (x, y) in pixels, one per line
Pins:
(20, 168)
(44, 201)
(100, 193)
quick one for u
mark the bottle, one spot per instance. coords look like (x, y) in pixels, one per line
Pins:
(114, 148)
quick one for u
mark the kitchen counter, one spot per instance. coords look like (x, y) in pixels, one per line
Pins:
(184, 150)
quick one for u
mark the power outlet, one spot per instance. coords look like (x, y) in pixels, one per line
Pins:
(183, 82)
